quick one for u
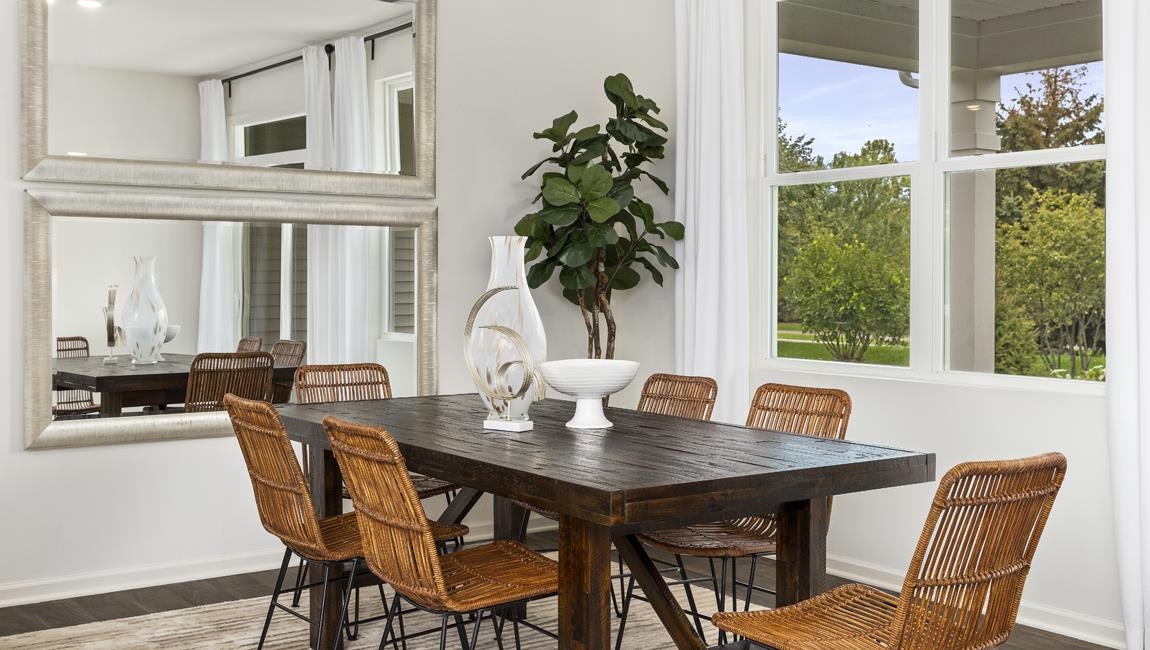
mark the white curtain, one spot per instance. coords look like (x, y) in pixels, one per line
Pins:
(1127, 56)
(339, 285)
(317, 107)
(712, 336)
(221, 291)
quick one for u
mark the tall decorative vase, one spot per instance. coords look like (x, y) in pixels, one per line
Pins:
(144, 317)
(497, 357)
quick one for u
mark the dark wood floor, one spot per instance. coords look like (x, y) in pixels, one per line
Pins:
(135, 602)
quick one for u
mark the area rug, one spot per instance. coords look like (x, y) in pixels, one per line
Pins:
(237, 624)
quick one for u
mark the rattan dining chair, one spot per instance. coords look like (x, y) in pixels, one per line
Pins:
(822, 412)
(964, 582)
(215, 374)
(250, 344)
(73, 401)
(399, 549)
(285, 505)
(286, 354)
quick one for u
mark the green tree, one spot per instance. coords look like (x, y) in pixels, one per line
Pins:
(1051, 264)
(848, 294)
(1052, 111)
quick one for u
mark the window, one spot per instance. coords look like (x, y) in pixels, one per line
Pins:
(275, 281)
(940, 209)
(276, 143)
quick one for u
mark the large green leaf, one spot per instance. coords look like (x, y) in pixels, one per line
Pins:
(563, 215)
(537, 165)
(602, 209)
(533, 252)
(559, 128)
(575, 173)
(657, 181)
(540, 273)
(577, 278)
(622, 192)
(673, 229)
(594, 182)
(587, 132)
(618, 85)
(625, 278)
(656, 275)
(527, 224)
(665, 258)
(601, 235)
(576, 254)
(652, 120)
(644, 211)
(560, 191)
(625, 130)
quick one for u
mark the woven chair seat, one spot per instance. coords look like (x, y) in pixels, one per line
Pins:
(495, 574)
(340, 535)
(542, 512)
(447, 532)
(428, 486)
(730, 538)
(849, 617)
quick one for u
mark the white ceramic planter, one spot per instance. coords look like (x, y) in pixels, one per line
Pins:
(589, 381)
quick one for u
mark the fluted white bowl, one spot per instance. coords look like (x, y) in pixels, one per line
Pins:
(589, 381)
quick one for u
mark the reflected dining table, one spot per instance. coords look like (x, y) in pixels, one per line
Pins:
(648, 472)
(125, 384)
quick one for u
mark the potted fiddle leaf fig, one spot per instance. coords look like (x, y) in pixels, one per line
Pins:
(590, 227)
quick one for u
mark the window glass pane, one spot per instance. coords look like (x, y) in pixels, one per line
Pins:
(274, 137)
(402, 294)
(406, 111)
(262, 307)
(1025, 76)
(844, 271)
(1026, 289)
(846, 77)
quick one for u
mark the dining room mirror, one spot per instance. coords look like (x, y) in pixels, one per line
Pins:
(279, 95)
(225, 269)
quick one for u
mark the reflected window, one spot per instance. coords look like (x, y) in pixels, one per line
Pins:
(275, 281)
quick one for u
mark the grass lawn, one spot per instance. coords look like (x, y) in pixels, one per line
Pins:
(884, 355)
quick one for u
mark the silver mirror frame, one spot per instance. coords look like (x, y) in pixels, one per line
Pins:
(38, 165)
(41, 204)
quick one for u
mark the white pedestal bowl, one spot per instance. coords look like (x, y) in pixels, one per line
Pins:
(589, 381)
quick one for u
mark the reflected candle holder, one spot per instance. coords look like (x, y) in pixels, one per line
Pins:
(110, 326)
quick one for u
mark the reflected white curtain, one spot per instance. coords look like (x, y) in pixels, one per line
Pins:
(712, 330)
(317, 107)
(221, 289)
(1127, 56)
(339, 285)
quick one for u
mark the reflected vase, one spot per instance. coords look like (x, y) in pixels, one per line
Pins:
(144, 317)
(494, 353)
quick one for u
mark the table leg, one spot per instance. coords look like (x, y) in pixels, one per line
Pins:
(509, 521)
(801, 569)
(462, 504)
(326, 492)
(584, 585)
(655, 588)
(111, 403)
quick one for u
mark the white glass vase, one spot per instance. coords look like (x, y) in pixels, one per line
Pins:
(493, 352)
(144, 317)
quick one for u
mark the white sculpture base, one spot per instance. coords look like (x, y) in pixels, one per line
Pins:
(589, 414)
(509, 425)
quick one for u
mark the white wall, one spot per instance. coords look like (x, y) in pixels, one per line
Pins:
(98, 519)
(124, 114)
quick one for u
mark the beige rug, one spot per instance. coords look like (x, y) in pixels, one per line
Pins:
(237, 624)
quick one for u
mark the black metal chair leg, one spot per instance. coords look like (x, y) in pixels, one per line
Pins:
(275, 595)
(300, 575)
(474, 633)
(346, 600)
(515, 630)
(721, 597)
(461, 629)
(443, 632)
(323, 603)
(498, 626)
(626, 608)
(750, 583)
(690, 598)
(389, 630)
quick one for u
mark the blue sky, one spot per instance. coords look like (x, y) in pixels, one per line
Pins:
(842, 105)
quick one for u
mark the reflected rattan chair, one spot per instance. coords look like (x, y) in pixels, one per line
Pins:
(351, 382)
(822, 412)
(286, 354)
(399, 549)
(215, 374)
(285, 505)
(73, 401)
(250, 344)
(964, 582)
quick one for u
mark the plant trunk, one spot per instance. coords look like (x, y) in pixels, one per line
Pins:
(604, 302)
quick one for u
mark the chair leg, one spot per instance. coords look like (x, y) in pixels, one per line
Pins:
(300, 575)
(443, 632)
(346, 600)
(389, 630)
(498, 626)
(275, 595)
(626, 597)
(323, 603)
(462, 630)
(690, 598)
(475, 633)
(721, 597)
(750, 583)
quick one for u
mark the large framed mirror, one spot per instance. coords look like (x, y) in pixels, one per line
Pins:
(111, 95)
(79, 242)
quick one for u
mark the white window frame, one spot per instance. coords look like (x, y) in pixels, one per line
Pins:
(928, 177)
(386, 131)
(237, 126)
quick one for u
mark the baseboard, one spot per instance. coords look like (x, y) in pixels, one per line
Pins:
(1051, 619)
(145, 575)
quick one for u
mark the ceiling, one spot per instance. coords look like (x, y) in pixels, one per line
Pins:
(203, 37)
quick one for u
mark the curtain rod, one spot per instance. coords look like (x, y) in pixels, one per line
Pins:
(329, 48)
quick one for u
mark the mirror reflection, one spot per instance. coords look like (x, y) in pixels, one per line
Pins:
(125, 82)
(284, 288)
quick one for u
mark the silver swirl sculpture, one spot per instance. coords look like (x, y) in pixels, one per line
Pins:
(500, 392)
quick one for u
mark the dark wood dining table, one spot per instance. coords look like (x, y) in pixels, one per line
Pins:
(648, 472)
(126, 384)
